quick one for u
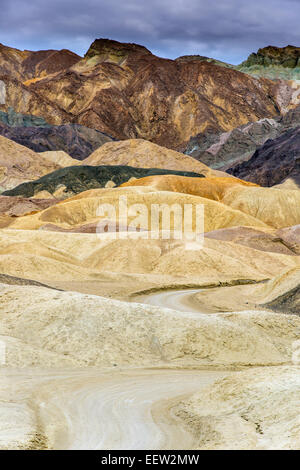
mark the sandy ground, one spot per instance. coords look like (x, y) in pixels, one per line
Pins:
(93, 409)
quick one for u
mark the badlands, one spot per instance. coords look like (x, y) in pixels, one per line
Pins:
(117, 336)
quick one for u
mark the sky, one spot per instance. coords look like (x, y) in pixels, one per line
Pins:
(227, 30)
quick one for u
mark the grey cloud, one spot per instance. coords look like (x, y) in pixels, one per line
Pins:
(228, 30)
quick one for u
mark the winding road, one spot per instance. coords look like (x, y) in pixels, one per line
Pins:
(181, 300)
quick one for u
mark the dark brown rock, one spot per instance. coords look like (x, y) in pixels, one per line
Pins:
(274, 162)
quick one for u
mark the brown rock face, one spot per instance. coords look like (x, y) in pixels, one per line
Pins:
(26, 101)
(127, 92)
(27, 65)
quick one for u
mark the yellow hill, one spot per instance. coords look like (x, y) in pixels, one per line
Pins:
(211, 187)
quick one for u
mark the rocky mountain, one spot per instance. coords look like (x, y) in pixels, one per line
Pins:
(35, 133)
(125, 91)
(17, 95)
(224, 149)
(274, 162)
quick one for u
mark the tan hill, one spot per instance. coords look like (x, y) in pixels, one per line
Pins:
(277, 208)
(143, 154)
(19, 164)
(280, 285)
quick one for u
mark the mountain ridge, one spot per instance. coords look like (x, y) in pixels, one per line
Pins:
(125, 91)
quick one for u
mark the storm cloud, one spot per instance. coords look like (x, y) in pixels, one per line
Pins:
(225, 29)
